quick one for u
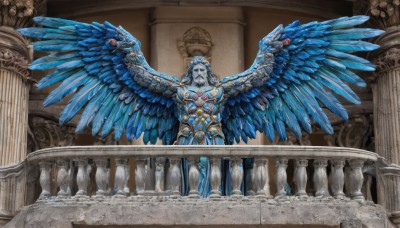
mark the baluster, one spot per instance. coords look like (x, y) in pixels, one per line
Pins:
(261, 177)
(215, 178)
(337, 178)
(320, 178)
(45, 180)
(301, 177)
(101, 177)
(249, 180)
(237, 177)
(120, 176)
(128, 175)
(160, 174)
(193, 177)
(347, 181)
(356, 179)
(175, 177)
(140, 175)
(63, 179)
(281, 177)
(82, 178)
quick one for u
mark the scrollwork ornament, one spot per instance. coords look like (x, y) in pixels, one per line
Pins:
(44, 132)
(357, 132)
(15, 62)
(388, 60)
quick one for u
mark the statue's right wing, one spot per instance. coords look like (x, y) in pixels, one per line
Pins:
(110, 78)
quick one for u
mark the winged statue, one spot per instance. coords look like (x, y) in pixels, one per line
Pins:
(299, 69)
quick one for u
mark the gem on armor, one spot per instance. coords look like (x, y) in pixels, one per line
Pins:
(199, 136)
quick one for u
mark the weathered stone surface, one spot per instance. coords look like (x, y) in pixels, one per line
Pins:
(181, 212)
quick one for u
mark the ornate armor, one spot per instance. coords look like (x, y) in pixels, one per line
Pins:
(199, 114)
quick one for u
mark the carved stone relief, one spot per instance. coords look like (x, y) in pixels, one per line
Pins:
(384, 13)
(44, 131)
(19, 13)
(388, 60)
(357, 132)
(196, 42)
(13, 61)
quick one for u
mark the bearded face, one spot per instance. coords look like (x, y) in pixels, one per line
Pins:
(199, 74)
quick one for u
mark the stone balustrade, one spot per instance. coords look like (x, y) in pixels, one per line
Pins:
(337, 172)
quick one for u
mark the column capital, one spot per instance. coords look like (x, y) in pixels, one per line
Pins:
(15, 54)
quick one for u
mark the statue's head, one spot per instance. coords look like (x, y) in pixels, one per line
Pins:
(199, 73)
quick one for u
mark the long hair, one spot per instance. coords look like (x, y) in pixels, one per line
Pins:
(188, 78)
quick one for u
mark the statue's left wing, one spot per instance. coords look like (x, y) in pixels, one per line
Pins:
(104, 68)
(295, 73)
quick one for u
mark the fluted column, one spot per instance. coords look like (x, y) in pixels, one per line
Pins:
(14, 96)
(386, 91)
(14, 93)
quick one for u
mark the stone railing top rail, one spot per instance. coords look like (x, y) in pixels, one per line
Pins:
(210, 151)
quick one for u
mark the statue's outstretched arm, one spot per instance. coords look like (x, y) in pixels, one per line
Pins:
(296, 73)
(258, 74)
(141, 71)
(111, 82)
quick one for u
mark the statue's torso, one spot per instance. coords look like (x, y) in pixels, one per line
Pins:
(199, 113)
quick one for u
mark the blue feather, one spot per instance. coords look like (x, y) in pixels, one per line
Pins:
(352, 46)
(91, 109)
(55, 77)
(103, 113)
(68, 86)
(79, 100)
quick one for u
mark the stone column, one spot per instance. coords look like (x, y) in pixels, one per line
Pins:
(15, 56)
(14, 96)
(386, 92)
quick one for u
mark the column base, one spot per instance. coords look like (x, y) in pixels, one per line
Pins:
(395, 218)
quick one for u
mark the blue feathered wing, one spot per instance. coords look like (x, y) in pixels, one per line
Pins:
(91, 61)
(311, 63)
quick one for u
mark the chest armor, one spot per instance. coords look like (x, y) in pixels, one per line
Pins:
(200, 112)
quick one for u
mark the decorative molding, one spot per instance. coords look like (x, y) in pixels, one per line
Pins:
(196, 41)
(19, 13)
(331, 9)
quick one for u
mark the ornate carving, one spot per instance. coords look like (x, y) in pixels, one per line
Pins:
(384, 13)
(388, 60)
(14, 61)
(19, 13)
(196, 42)
(357, 132)
(44, 132)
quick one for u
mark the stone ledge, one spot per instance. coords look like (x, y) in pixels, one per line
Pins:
(289, 152)
(184, 212)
